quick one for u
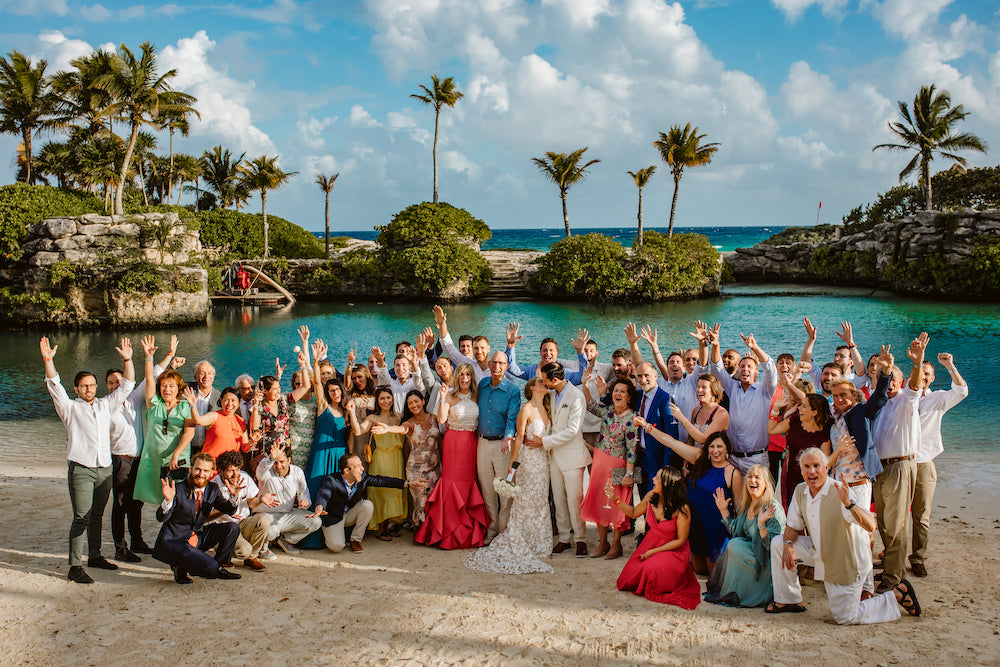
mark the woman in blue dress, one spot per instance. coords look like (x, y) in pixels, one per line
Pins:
(742, 575)
(711, 472)
(333, 421)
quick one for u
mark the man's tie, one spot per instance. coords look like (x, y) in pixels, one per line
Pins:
(193, 540)
(642, 407)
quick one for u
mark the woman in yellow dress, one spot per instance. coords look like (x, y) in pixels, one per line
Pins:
(387, 461)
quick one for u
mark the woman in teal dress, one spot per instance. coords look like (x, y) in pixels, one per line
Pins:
(169, 430)
(742, 575)
(333, 419)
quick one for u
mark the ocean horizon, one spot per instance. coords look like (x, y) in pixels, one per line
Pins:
(723, 238)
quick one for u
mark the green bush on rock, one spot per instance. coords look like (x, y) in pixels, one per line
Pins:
(23, 205)
(420, 223)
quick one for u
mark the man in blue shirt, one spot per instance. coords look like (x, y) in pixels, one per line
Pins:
(499, 403)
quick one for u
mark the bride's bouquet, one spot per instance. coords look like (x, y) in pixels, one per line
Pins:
(506, 488)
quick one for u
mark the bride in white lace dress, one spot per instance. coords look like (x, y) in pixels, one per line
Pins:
(528, 539)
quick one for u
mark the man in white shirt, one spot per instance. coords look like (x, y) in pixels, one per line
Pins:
(896, 432)
(480, 348)
(407, 376)
(88, 453)
(931, 409)
(204, 376)
(290, 520)
(828, 530)
(239, 488)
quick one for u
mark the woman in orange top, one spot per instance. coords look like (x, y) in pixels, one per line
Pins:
(225, 429)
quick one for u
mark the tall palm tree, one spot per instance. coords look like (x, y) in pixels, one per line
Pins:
(564, 169)
(679, 149)
(325, 184)
(27, 103)
(139, 94)
(186, 168)
(928, 130)
(81, 103)
(441, 93)
(221, 172)
(641, 177)
(264, 174)
(175, 119)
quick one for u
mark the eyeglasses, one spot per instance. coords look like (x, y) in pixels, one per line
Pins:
(165, 424)
(498, 363)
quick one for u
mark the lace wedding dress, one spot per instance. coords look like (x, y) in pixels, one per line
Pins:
(528, 538)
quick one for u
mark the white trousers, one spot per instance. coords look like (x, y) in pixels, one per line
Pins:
(293, 526)
(845, 602)
(567, 494)
(490, 464)
(358, 516)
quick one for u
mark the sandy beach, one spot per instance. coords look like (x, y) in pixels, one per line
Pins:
(406, 604)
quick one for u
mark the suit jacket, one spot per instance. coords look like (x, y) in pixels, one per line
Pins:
(658, 415)
(859, 419)
(181, 519)
(565, 443)
(333, 498)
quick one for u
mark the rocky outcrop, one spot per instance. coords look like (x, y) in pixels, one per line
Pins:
(930, 254)
(99, 271)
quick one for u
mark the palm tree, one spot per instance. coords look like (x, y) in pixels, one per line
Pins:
(175, 119)
(563, 169)
(186, 168)
(325, 184)
(222, 173)
(139, 95)
(54, 159)
(441, 93)
(929, 130)
(641, 177)
(679, 149)
(81, 103)
(264, 174)
(27, 102)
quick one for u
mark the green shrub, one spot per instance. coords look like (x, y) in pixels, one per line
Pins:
(673, 265)
(435, 264)
(243, 233)
(791, 235)
(23, 205)
(139, 277)
(14, 299)
(61, 272)
(421, 223)
(592, 264)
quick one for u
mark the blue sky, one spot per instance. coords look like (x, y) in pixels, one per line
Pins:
(796, 92)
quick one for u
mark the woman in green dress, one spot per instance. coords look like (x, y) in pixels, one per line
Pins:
(742, 575)
(169, 430)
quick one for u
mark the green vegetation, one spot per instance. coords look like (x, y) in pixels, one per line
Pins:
(682, 148)
(241, 234)
(597, 268)
(23, 205)
(791, 235)
(11, 298)
(422, 223)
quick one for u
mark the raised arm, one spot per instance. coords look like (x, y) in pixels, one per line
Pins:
(149, 349)
(632, 336)
(916, 354)
(807, 349)
(846, 334)
(652, 337)
(319, 351)
(718, 422)
(684, 450)
(196, 417)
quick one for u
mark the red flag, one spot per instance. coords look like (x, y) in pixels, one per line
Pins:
(821, 204)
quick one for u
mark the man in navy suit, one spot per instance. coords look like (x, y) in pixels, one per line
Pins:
(184, 538)
(654, 407)
(341, 502)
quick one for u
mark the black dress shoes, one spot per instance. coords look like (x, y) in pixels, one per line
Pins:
(181, 576)
(78, 575)
(101, 563)
(126, 556)
(141, 548)
(223, 573)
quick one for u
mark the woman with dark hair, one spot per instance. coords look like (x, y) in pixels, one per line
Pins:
(269, 421)
(809, 426)
(360, 387)
(225, 430)
(660, 568)
(169, 430)
(614, 461)
(386, 460)
(709, 416)
(712, 471)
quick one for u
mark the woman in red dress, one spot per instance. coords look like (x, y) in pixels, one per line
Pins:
(660, 568)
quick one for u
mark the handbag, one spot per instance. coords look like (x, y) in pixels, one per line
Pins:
(618, 475)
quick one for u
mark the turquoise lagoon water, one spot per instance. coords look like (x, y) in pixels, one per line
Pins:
(240, 340)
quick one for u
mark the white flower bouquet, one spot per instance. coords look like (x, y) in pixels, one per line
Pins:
(506, 488)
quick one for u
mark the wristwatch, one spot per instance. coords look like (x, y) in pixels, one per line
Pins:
(851, 506)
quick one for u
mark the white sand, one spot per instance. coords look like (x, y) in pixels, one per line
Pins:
(397, 603)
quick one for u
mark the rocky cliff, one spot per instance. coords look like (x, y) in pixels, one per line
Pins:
(929, 254)
(98, 271)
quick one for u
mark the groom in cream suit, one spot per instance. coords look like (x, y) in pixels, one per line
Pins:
(568, 455)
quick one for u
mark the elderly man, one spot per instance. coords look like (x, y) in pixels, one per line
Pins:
(499, 403)
(548, 352)
(88, 453)
(828, 529)
(245, 387)
(290, 518)
(676, 380)
(896, 431)
(932, 406)
(207, 398)
(654, 407)
(239, 488)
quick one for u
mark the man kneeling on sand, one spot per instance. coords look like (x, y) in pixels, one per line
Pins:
(341, 502)
(240, 489)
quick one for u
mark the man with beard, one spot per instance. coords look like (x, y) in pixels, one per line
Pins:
(480, 348)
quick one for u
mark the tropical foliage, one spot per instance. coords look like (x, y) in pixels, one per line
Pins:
(929, 129)
(441, 93)
(641, 177)
(565, 170)
(23, 205)
(263, 174)
(682, 148)
(240, 235)
(27, 102)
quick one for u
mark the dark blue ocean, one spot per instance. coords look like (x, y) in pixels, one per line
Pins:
(723, 238)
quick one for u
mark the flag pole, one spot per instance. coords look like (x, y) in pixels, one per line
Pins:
(817, 212)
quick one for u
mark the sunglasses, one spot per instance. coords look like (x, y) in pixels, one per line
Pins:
(165, 424)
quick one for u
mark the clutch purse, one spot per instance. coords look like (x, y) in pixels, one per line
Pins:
(618, 475)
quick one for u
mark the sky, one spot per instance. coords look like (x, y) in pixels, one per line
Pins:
(795, 92)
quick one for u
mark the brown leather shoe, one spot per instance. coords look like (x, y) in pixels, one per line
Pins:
(560, 547)
(581, 550)
(253, 564)
(918, 569)
(356, 547)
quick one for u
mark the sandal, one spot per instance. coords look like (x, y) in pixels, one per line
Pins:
(385, 537)
(601, 550)
(909, 599)
(395, 530)
(773, 608)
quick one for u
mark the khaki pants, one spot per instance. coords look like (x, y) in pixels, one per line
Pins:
(253, 536)
(490, 464)
(89, 489)
(920, 509)
(358, 516)
(567, 494)
(893, 493)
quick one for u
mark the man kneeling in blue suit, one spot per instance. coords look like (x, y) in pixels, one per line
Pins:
(184, 538)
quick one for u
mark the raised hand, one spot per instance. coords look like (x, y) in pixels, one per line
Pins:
(810, 329)
(320, 349)
(301, 358)
(846, 334)
(275, 450)
(278, 368)
(749, 340)
(173, 344)
(700, 332)
(721, 501)
(712, 335)
(125, 349)
(649, 335)
(167, 487)
(766, 515)
(946, 360)
(149, 346)
(885, 359)
(429, 337)
(378, 356)
(270, 499)
(845, 496)
(420, 345)
(917, 348)
(443, 392)
(47, 350)
(582, 336)
(513, 334)
(676, 411)
(631, 334)
(304, 334)
(602, 386)
(439, 317)
(177, 362)
(189, 396)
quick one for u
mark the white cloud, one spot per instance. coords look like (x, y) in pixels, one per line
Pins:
(35, 7)
(132, 13)
(405, 121)
(361, 118)
(906, 18)
(97, 13)
(794, 9)
(311, 131)
(455, 161)
(169, 9)
(813, 153)
(59, 50)
(581, 13)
